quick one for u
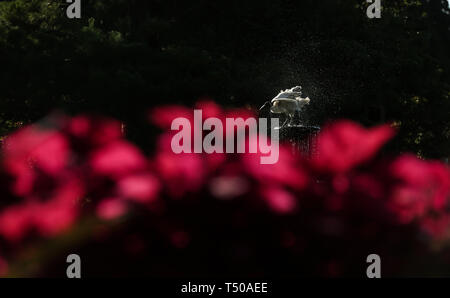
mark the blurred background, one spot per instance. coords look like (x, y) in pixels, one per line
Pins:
(124, 58)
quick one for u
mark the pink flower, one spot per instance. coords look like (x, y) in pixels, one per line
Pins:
(139, 187)
(50, 217)
(111, 208)
(54, 217)
(422, 187)
(163, 116)
(15, 222)
(287, 171)
(117, 159)
(31, 150)
(279, 200)
(181, 173)
(59, 212)
(344, 145)
(228, 187)
(210, 109)
(93, 131)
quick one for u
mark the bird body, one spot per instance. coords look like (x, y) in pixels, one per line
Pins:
(289, 102)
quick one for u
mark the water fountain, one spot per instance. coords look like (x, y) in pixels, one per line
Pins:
(289, 106)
